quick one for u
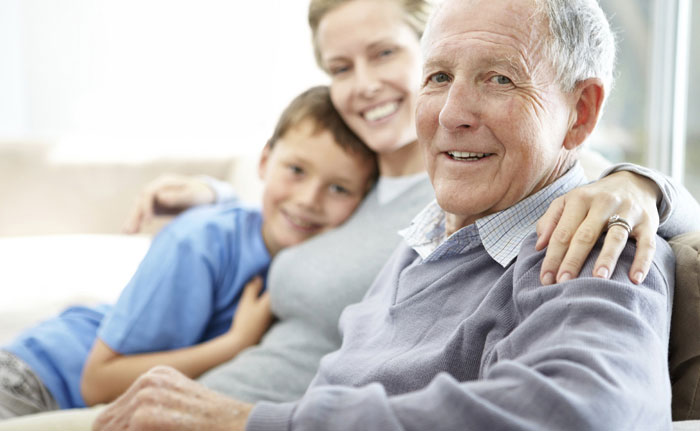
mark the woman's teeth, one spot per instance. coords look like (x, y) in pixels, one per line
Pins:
(460, 155)
(381, 111)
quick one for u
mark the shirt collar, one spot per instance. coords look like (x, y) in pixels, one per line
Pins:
(501, 233)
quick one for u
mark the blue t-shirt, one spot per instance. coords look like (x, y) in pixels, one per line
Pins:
(184, 292)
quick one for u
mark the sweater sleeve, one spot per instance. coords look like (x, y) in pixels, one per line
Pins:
(678, 209)
(585, 354)
(224, 191)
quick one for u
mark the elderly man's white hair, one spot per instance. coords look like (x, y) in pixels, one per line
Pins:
(581, 44)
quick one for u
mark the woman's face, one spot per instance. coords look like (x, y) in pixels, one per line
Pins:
(374, 60)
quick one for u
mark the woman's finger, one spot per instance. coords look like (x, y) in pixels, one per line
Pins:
(646, 248)
(140, 213)
(583, 241)
(547, 223)
(573, 214)
(132, 223)
(614, 243)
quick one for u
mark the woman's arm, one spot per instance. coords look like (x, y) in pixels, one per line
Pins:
(107, 373)
(171, 194)
(643, 197)
(678, 210)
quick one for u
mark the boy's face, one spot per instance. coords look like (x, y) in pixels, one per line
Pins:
(311, 185)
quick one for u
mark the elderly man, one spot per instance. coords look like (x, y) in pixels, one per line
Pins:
(457, 332)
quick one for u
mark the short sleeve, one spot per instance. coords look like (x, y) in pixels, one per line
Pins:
(168, 302)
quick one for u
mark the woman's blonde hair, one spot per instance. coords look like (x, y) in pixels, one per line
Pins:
(416, 13)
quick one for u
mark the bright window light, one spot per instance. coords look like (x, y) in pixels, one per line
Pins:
(145, 78)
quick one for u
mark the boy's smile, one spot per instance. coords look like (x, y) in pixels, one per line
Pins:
(311, 185)
(301, 223)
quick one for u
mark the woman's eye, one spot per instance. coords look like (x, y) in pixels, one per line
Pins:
(337, 70)
(501, 80)
(386, 52)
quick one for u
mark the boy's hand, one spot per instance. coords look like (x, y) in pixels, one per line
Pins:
(167, 194)
(253, 315)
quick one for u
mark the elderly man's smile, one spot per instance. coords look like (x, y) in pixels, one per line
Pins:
(467, 156)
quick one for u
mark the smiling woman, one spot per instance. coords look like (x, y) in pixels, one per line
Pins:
(374, 74)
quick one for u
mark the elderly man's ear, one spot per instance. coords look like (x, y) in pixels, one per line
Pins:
(589, 95)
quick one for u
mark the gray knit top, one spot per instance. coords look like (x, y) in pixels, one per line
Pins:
(310, 285)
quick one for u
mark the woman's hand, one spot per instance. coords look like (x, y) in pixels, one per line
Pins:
(573, 223)
(253, 315)
(167, 194)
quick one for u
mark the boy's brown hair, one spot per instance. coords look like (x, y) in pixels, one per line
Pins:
(315, 104)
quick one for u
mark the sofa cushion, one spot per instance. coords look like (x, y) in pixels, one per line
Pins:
(684, 349)
(57, 420)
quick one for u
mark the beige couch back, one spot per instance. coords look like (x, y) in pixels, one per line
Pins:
(39, 196)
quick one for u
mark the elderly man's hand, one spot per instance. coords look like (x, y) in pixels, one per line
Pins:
(573, 223)
(163, 399)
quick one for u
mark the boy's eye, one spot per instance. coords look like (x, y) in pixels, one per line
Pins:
(386, 52)
(335, 188)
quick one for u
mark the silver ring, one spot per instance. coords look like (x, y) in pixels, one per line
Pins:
(616, 220)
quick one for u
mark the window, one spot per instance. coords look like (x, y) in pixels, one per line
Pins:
(136, 79)
(622, 134)
(653, 113)
(692, 153)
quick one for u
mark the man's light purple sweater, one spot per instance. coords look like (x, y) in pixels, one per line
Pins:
(462, 343)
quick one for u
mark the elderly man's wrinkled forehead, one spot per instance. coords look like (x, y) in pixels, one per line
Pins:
(514, 22)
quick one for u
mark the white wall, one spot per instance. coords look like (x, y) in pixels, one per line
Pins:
(13, 102)
(138, 78)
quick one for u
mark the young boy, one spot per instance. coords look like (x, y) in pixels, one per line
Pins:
(179, 306)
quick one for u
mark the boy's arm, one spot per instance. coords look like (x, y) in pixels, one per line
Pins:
(107, 373)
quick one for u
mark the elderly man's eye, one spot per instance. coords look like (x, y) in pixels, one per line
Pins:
(439, 78)
(501, 80)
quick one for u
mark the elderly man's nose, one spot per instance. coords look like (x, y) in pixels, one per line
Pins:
(459, 110)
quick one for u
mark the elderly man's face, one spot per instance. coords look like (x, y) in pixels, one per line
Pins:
(490, 117)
